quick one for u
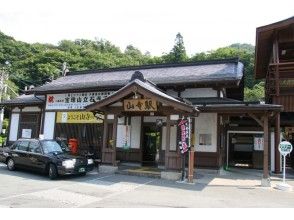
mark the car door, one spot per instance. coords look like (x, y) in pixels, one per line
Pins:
(19, 153)
(36, 158)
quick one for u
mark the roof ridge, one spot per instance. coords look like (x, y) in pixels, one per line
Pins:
(154, 66)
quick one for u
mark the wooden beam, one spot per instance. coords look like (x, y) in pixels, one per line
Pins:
(167, 145)
(259, 121)
(114, 136)
(104, 144)
(277, 142)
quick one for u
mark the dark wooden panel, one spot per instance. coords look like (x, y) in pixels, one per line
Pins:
(130, 155)
(204, 159)
(29, 121)
(107, 157)
(287, 101)
(173, 161)
(89, 136)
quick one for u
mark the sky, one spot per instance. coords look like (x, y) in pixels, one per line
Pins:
(150, 25)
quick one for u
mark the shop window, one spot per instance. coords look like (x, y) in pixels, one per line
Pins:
(204, 139)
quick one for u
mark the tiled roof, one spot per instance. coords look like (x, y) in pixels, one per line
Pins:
(220, 71)
(24, 100)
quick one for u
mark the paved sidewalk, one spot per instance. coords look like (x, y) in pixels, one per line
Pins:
(238, 188)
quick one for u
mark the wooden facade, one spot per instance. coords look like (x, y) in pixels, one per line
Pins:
(275, 63)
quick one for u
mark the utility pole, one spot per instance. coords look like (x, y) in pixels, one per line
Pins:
(1, 99)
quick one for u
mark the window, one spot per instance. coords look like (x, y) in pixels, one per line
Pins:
(204, 139)
(35, 147)
(51, 147)
(22, 145)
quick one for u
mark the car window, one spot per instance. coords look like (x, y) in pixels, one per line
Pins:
(35, 147)
(14, 146)
(22, 145)
(51, 146)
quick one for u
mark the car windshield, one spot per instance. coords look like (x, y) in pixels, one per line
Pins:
(51, 147)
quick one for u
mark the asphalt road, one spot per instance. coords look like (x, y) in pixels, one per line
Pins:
(26, 189)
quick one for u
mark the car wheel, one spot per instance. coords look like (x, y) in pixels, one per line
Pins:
(10, 164)
(52, 172)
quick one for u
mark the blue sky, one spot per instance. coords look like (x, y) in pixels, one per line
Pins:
(150, 25)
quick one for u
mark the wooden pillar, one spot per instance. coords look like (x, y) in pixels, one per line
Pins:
(114, 135)
(191, 152)
(167, 145)
(266, 146)
(277, 142)
(104, 143)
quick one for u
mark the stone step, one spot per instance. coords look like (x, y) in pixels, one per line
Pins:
(133, 172)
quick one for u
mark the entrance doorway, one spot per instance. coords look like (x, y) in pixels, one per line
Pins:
(241, 150)
(151, 144)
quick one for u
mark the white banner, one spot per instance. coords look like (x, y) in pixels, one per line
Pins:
(74, 100)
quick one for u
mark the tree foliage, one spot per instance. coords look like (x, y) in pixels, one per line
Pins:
(35, 64)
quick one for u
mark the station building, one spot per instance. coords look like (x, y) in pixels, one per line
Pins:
(131, 115)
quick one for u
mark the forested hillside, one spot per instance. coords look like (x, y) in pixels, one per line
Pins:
(34, 64)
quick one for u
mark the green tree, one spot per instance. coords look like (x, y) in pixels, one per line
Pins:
(178, 53)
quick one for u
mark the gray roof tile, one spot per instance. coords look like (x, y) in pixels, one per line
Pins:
(220, 71)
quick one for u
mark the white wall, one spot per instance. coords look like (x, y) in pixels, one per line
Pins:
(172, 92)
(152, 119)
(199, 93)
(14, 127)
(49, 125)
(173, 138)
(31, 109)
(16, 109)
(206, 123)
(135, 132)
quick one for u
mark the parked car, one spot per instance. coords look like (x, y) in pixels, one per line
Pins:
(46, 156)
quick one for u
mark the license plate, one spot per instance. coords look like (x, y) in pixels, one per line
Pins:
(81, 170)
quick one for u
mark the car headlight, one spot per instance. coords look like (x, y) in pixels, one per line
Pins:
(90, 161)
(69, 163)
(5, 154)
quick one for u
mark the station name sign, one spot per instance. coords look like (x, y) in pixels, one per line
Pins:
(67, 101)
(140, 105)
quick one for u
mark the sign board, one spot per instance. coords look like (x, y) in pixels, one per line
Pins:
(140, 105)
(77, 117)
(184, 135)
(26, 133)
(285, 148)
(258, 143)
(74, 100)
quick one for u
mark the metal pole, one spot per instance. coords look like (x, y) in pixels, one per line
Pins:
(284, 171)
(183, 167)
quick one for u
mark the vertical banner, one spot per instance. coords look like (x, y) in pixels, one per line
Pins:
(184, 142)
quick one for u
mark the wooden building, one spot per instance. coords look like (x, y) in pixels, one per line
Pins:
(141, 107)
(274, 63)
